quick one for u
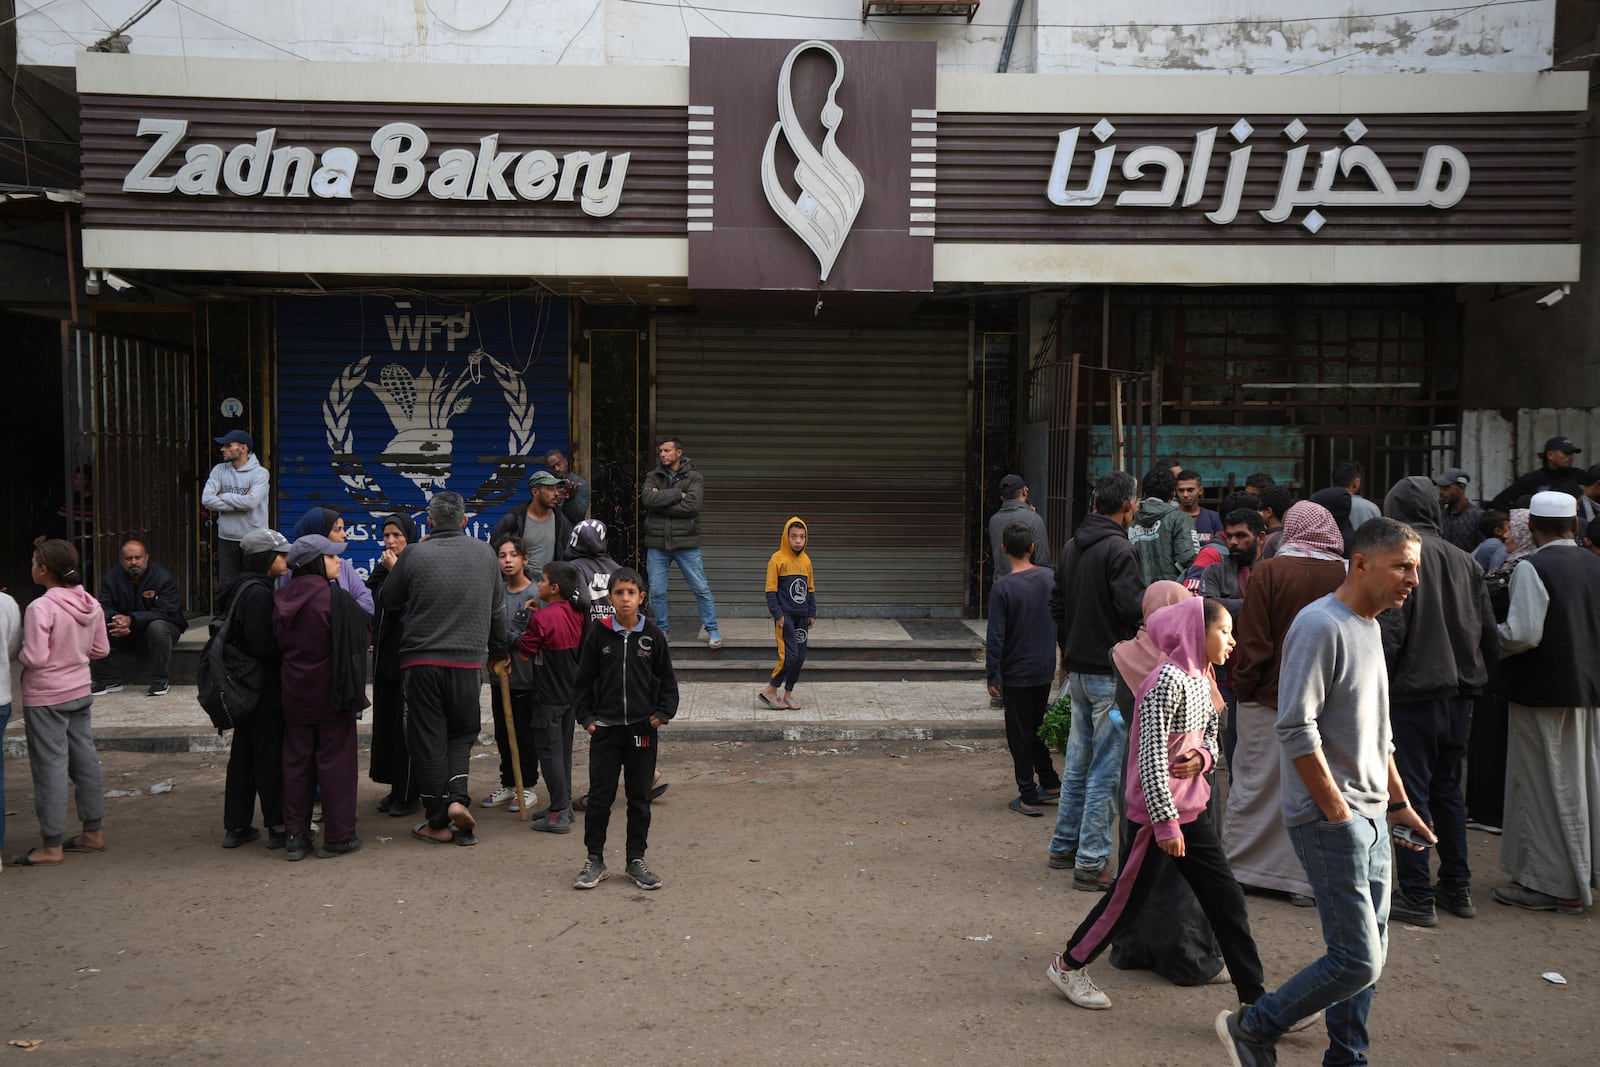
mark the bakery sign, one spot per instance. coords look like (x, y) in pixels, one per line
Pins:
(397, 168)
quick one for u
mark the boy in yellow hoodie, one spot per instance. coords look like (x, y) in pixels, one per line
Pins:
(792, 601)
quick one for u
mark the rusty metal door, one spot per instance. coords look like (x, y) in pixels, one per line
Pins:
(128, 414)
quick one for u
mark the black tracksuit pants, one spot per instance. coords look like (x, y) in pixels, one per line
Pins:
(442, 719)
(255, 769)
(1030, 756)
(628, 751)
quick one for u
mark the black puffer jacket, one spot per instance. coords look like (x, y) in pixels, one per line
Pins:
(1441, 641)
(672, 501)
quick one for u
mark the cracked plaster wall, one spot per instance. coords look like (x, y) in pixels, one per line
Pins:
(1060, 36)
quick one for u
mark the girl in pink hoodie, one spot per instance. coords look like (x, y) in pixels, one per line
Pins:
(62, 631)
(1172, 743)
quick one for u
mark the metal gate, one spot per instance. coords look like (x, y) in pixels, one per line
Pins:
(862, 432)
(127, 413)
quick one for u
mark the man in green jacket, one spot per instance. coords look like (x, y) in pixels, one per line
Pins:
(672, 497)
(1161, 533)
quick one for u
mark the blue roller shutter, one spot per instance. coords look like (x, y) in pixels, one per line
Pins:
(384, 401)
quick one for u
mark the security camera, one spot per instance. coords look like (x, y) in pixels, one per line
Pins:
(122, 285)
(1547, 301)
(92, 284)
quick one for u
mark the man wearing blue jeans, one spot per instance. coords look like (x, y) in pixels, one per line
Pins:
(672, 497)
(1341, 795)
(1097, 603)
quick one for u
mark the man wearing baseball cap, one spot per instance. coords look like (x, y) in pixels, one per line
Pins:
(1461, 515)
(1552, 679)
(237, 491)
(541, 524)
(1555, 472)
(1014, 507)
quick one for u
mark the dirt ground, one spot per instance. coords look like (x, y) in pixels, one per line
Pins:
(861, 903)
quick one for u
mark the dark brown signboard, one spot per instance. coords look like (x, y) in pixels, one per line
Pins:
(801, 162)
(321, 167)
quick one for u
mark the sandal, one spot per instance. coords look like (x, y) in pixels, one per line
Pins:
(26, 859)
(766, 701)
(72, 844)
(416, 832)
(791, 705)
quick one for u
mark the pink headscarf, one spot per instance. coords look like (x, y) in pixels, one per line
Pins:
(1311, 530)
(1138, 659)
(1179, 631)
(1139, 656)
(1521, 536)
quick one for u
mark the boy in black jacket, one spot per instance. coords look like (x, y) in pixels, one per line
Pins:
(624, 691)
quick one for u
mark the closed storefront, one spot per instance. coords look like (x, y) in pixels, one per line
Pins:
(861, 432)
(384, 401)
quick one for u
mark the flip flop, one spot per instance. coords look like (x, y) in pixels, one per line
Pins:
(73, 845)
(416, 832)
(26, 860)
(657, 790)
(463, 837)
(792, 706)
(766, 701)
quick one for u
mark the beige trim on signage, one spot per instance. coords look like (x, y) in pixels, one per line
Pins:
(1135, 263)
(1218, 95)
(426, 83)
(392, 254)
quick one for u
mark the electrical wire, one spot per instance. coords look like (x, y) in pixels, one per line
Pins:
(1262, 23)
(235, 29)
(462, 29)
(1364, 49)
(579, 33)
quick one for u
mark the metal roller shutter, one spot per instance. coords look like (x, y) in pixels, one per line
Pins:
(383, 401)
(859, 431)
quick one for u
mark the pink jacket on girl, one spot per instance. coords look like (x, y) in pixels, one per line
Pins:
(61, 632)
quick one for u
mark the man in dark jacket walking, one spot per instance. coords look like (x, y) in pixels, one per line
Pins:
(144, 616)
(673, 495)
(1438, 644)
(449, 588)
(1097, 602)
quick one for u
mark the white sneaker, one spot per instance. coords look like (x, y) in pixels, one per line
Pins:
(500, 796)
(1222, 977)
(1077, 986)
(527, 798)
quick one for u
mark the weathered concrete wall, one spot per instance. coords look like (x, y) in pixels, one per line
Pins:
(502, 31)
(1290, 36)
(1497, 446)
(1079, 36)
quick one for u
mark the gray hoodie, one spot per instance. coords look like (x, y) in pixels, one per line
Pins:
(1441, 641)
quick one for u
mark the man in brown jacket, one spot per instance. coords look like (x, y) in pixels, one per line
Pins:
(1308, 566)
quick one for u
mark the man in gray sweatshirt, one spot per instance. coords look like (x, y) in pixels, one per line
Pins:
(1341, 794)
(448, 587)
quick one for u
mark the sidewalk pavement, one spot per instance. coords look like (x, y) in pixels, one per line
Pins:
(715, 711)
(721, 711)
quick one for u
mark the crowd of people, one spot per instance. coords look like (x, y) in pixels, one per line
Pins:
(1344, 674)
(542, 609)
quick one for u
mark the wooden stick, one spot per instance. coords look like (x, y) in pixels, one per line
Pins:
(503, 670)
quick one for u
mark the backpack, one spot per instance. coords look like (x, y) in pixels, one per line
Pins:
(229, 678)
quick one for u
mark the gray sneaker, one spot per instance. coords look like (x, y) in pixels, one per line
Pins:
(1244, 1050)
(642, 875)
(1416, 912)
(594, 872)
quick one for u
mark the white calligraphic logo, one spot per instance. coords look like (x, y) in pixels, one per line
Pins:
(1442, 178)
(831, 189)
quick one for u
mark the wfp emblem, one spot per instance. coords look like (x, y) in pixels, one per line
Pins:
(420, 407)
(831, 189)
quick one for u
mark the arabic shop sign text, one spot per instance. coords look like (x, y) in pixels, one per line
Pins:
(403, 168)
(1349, 176)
